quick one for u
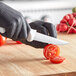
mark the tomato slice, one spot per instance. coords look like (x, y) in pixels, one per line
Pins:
(57, 59)
(19, 42)
(51, 50)
(2, 40)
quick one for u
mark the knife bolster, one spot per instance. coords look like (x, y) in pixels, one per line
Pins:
(31, 35)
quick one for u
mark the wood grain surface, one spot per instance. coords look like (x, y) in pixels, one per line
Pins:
(24, 60)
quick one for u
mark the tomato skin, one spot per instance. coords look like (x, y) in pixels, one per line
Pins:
(19, 42)
(70, 16)
(2, 40)
(66, 17)
(63, 21)
(57, 27)
(57, 59)
(72, 21)
(72, 30)
(51, 50)
(62, 27)
(74, 14)
(67, 21)
(69, 31)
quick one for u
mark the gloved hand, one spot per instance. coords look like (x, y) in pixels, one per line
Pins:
(44, 28)
(13, 22)
(18, 29)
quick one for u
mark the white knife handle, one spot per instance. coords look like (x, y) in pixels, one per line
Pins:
(31, 35)
(2, 30)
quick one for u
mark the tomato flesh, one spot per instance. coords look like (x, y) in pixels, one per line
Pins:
(51, 50)
(19, 42)
(57, 59)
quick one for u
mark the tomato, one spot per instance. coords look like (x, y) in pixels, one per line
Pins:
(72, 22)
(71, 30)
(2, 40)
(66, 17)
(57, 27)
(19, 42)
(57, 59)
(63, 21)
(51, 50)
(62, 27)
(74, 14)
(67, 21)
(71, 16)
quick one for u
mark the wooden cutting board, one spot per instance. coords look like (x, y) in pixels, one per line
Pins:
(24, 60)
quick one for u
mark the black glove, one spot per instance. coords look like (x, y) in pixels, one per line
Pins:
(42, 27)
(13, 22)
(18, 29)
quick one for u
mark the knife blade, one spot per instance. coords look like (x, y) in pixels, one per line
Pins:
(34, 35)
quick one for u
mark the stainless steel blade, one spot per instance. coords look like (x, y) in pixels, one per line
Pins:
(48, 39)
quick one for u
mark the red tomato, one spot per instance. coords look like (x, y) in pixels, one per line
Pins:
(51, 50)
(72, 22)
(71, 16)
(19, 42)
(63, 21)
(2, 40)
(57, 59)
(62, 27)
(57, 27)
(71, 30)
(66, 17)
(74, 14)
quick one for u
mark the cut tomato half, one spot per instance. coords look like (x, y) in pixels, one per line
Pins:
(57, 59)
(51, 50)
